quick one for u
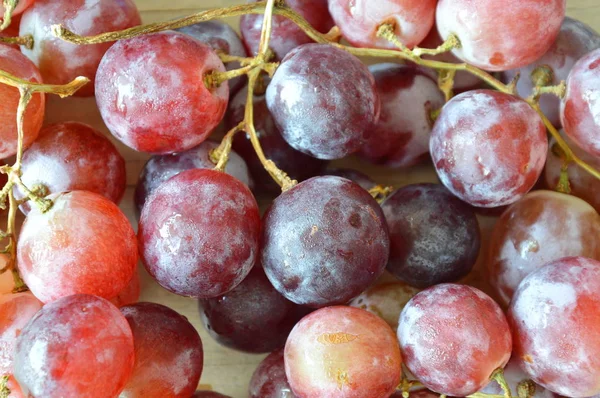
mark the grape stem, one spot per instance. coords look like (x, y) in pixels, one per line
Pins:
(26, 41)
(9, 8)
(4, 391)
(380, 193)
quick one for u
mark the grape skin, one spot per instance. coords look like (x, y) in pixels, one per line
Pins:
(269, 379)
(140, 85)
(199, 233)
(77, 346)
(564, 357)
(488, 148)
(353, 175)
(324, 101)
(324, 242)
(131, 293)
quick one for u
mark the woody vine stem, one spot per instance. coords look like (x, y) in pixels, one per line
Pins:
(253, 67)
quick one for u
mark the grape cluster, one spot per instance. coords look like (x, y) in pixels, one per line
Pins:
(304, 280)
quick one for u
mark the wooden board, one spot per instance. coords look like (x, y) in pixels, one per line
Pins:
(226, 370)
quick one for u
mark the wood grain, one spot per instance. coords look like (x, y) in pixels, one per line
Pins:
(226, 370)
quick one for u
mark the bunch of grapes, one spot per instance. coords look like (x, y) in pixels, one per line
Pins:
(355, 289)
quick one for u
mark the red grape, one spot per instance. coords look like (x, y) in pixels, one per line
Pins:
(73, 156)
(361, 179)
(583, 184)
(83, 244)
(542, 227)
(199, 233)
(209, 394)
(501, 35)
(401, 139)
(285, 34)
(580, 108)
(160, 168)
(386, 301)
(488, 148)
(324, 101)
(324, 242)
(298, 165)
(342, 352)
(553, 316)
(269, 379)
(575, 40)
(22, 5)
(360, 20)
(453, 337)
(15, 63)
(434, 236)
(253, 317)
(513, 374)
(60, 61)
(77, 346)
(15, 312)
(168, 353)
(220, 37)
(151, 93)
(131, 293)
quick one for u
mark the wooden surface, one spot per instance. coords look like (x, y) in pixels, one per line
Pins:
(226, 370)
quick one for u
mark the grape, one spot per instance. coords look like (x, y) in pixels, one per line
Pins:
(401, 139)
(60, 61)
(583, 184)
(22, 5)
(269, 379)
(253, 317)
(15, 311)
(285, 34)
(131, 293)
(353, 175)
(298, 165)
(209, 394)
(77, 346)
(73, 156)
(199, 233)
(575, 40)
(580, 106)
(220, 37)
(160, 168)
(168, 353)
(324, 101)
(151, 93)
(83, 244)
(504, 35)
(12, 30)
(360, 20)
(542, 227)
(564, 358)
(7, 282)
(342, 352)
(515, 375)
(15, 63)
(488, 148)
(453, 337)
(434, 236)
(386, 301)
(324, 242)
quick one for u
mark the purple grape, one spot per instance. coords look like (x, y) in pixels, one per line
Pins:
(269, 379)
(353, 175)
(434, 236)
(324, 242)
(324, 101)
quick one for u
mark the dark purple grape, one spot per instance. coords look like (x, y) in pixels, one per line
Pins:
(324, 101)
(253, 317)
(298, 165)
(269, 379)
(353, 175)
(220, 37)
(324, 241)
(160, 168)
(434, 236)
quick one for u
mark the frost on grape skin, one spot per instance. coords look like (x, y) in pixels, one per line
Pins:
(408, 96)
(324, 242)
(77, 346)
(542, 227)
(324, 101)
(580, 107)
(60, 61)
(529, 27)
(453, 337)
(553, 316)
(83, 244)
(151, 92)
(488, 148)
(269, 379)
(199, 233)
